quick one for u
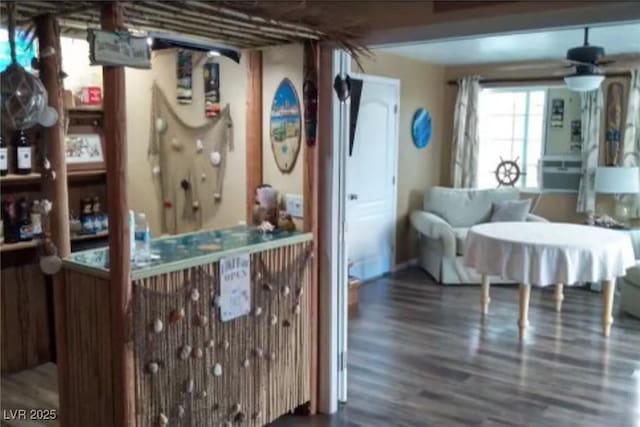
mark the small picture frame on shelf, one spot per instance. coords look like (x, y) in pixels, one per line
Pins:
(84, 148)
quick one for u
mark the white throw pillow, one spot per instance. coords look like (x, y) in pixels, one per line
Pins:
(511, 210)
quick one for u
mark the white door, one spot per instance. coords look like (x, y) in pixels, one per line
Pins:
(370, 179)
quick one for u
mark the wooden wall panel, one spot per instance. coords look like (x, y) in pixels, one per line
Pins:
(26, 325)
(88, 392)
(454, 6)
(254, 128)
(311, 210)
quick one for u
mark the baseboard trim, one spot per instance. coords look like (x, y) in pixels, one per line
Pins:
(401, 266)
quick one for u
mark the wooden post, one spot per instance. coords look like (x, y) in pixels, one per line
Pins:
(559, 296)
(57, 190)
(115, 132)
(523, 320)
(54, 136)
(254, 128)
(311, 72)
(484, 296)
(607, 304)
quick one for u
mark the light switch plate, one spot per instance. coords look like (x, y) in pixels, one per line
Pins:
(294, 205)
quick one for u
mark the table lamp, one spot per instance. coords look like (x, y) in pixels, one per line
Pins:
(618, 180)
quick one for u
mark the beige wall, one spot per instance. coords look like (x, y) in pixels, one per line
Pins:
(421, 85)
(233, 86)
(555, 207)
(558, 139)
(280, 62)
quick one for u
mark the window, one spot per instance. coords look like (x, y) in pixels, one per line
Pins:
(25, 50)
(511, 125)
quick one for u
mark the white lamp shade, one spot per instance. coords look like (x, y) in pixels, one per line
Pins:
(584, 83)
(618, 180)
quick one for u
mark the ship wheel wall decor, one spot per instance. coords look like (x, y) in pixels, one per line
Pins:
(507, 173)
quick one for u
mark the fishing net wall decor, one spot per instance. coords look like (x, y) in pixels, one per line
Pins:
(188, 164)
(193, 370)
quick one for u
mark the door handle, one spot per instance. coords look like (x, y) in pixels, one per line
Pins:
(353, 196)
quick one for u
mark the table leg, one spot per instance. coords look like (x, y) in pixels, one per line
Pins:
(559, 296)
(484, 296)
(523, 321)
(607, 306)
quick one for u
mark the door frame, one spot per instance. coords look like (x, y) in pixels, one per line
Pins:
(396, 147)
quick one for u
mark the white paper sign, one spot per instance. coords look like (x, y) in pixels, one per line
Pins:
(235, 287)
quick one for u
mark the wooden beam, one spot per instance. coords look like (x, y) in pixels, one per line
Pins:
(57, 190)
(533, 79)
(254, 127)
(115, 133)
(311, 72)
(54, 135)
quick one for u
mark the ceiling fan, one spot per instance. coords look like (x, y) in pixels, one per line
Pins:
(586, 64)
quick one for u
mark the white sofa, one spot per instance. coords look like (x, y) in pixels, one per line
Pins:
(443, 223)
(630, 291)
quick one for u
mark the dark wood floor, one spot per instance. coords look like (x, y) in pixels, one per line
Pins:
(420, 355)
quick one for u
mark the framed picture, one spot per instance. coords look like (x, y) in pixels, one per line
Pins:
(84, 149)
(286, 126)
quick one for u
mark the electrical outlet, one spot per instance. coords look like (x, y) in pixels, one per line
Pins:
(294, 205)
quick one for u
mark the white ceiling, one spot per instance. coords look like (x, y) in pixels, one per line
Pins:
(550, 44)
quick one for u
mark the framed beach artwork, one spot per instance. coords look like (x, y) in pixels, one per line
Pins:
(285, 126)
(421, 128)
(84, 149)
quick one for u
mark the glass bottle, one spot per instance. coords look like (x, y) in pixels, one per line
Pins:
(142, 240)
(4, 157)
(10, 221)
(86, 215)
(23, 153)
(97, 215)
(24, 221)
(36, 218)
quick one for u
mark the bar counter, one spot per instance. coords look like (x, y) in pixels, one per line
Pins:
(191, 366)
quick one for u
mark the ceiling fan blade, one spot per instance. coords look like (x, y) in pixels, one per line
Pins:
(633, 56)
(625, 60)
(620, 67)
(563, 72)
(532, 66)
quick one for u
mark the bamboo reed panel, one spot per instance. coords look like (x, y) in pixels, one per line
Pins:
(87, 393)
(26, 342)
(271, 385)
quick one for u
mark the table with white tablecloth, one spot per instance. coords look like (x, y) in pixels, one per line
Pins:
(544, 254)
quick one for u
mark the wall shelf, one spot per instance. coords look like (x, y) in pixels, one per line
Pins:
(19, 246)
(86, 109)
(80, 175)
(9, 247)
(13, 178)
(81, 237)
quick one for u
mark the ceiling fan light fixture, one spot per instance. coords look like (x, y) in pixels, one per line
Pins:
(584, 82)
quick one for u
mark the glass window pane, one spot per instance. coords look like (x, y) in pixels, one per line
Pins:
(520, 102)
(518, 126)
(510, 122)
(500, 102)
(537, 102)
(499, 127)
(531, 178)
(535, 127)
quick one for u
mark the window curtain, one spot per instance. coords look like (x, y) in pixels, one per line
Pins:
(464, 164)
(631, 141)
(592, 106)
